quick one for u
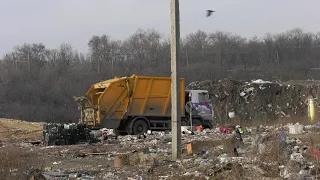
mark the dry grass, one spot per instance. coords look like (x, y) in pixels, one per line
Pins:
(197, 146)
(272, 156)
(234, 171)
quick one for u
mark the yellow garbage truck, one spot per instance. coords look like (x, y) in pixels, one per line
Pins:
(136, 104)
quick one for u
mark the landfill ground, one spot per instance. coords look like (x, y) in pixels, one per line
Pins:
(269, 150)
(265, 154)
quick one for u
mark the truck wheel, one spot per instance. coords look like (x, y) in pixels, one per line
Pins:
(139, 127)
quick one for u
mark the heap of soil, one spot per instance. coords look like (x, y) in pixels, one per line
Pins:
(260, 100)
(11, 129)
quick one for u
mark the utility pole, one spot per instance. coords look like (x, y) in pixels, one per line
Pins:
(175, 80)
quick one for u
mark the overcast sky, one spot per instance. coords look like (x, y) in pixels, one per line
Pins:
(53, 22)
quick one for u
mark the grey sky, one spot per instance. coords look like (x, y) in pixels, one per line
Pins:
(53, 22)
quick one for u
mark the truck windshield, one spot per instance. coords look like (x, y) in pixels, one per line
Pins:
(203, 97)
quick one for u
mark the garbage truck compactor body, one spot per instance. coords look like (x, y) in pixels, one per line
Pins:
(136, 104)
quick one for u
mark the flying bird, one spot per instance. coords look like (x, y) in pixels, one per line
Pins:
(209, 12)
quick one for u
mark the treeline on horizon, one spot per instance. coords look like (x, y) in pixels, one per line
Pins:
(38, 83)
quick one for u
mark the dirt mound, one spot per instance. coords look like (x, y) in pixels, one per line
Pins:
(11, 129)
(259, 100)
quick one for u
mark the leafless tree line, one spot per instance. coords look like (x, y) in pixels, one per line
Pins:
(37, 83)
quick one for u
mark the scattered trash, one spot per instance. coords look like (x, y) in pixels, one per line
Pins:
(231, 115)
(186, 130)
(260, 81)
(242, 130)
(57, 173)
(199, 128)
(212, 151)
(204, 151)
(48, 168)
(296, 129)
(189, 148)
(120, 160)
(223, 158)
(297, 157)
(314, 153)
(226, 129)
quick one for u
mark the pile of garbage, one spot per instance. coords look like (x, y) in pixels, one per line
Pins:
(65, 134)
(259, 100)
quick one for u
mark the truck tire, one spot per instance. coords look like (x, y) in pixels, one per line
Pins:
(139, 127)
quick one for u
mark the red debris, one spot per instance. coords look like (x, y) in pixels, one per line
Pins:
(315, 153)
(199, 128)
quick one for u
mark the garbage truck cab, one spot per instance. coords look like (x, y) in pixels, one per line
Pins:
(201, 107)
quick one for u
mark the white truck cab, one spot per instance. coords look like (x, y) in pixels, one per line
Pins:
(201, 106)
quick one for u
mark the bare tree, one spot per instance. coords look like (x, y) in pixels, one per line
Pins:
(38, 83)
